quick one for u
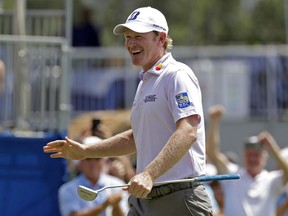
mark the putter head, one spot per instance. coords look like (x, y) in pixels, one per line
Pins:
(87, 193)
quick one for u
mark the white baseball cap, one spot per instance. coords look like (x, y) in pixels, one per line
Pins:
(143, 20)
(90, 140)
(87, 141)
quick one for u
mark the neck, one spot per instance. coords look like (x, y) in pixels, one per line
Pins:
(153, 62)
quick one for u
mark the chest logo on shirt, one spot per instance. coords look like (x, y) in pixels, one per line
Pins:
(182, 100)
(150, 98)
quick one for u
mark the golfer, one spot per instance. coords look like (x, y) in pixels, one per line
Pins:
(167, 125)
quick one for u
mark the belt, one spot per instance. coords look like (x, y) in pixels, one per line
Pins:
(166, 189)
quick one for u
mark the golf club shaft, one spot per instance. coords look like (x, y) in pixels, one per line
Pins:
(196, 179)
(201, 179)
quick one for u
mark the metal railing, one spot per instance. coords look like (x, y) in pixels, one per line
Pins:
(36, 83)
(38, 23)
(251, 82)
(250, 79)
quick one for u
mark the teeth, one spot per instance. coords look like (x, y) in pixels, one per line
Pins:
(136, 51)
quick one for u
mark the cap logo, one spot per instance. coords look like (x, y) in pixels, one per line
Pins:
(159, 27)
(134, 15)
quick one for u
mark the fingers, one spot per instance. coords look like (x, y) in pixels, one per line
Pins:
(115, 198)
(266, 138)
(54, 146)
(56, 143)
(68, 140)
(216, 111)
(57, 155)
(140, 185)
(268, 141)
(125, 188)
(139, 191)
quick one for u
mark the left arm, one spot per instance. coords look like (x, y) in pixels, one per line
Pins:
(176, 147)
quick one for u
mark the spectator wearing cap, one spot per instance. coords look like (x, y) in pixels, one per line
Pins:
(108, 203)
(120, 166)
(256, 192)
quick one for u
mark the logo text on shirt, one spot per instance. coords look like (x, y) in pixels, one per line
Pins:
(150, 98)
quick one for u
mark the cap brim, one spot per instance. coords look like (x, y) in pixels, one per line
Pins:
(120, 29)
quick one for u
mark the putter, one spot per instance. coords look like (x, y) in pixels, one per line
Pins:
(89, 194)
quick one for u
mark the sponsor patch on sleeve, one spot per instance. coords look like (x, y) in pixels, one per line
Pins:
(182, 100)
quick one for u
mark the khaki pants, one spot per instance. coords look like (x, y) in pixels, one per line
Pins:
(187, 202)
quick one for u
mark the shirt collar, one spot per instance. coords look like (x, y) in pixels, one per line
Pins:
(158, 67)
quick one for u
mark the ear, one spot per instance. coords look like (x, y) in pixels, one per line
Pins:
(162, 37)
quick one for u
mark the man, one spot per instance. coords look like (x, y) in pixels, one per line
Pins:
(167, 125)
(256, 192)
(282, 201)
(85, 33)
(108, 203)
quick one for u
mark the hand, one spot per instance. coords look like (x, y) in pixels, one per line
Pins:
(67, 148)
(140, 185)
(122, 168)
(117, 168)
(113, 200)
(268, 142)
(216, 112)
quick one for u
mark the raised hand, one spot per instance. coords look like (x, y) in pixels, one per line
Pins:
(268, 142)
(216, 111)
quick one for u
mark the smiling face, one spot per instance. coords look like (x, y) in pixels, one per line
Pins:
(145, 49)
(255, 160)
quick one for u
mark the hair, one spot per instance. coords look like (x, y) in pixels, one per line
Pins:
(168, 43)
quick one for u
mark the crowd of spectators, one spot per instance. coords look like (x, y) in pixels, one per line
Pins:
(258, 191)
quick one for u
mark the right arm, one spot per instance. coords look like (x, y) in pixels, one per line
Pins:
(213, 140)
(120, 144)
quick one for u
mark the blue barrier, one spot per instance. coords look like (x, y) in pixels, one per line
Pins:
(29, 178)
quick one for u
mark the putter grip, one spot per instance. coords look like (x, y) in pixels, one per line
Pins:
(217, 177)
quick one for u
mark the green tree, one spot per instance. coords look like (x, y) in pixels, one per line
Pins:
(191, 22)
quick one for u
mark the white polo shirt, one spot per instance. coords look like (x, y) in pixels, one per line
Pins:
(249, 196)
(166, 93)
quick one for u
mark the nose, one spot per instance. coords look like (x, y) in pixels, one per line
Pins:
(130, 42)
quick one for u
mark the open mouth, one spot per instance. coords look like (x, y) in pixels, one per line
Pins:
(136, 52)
